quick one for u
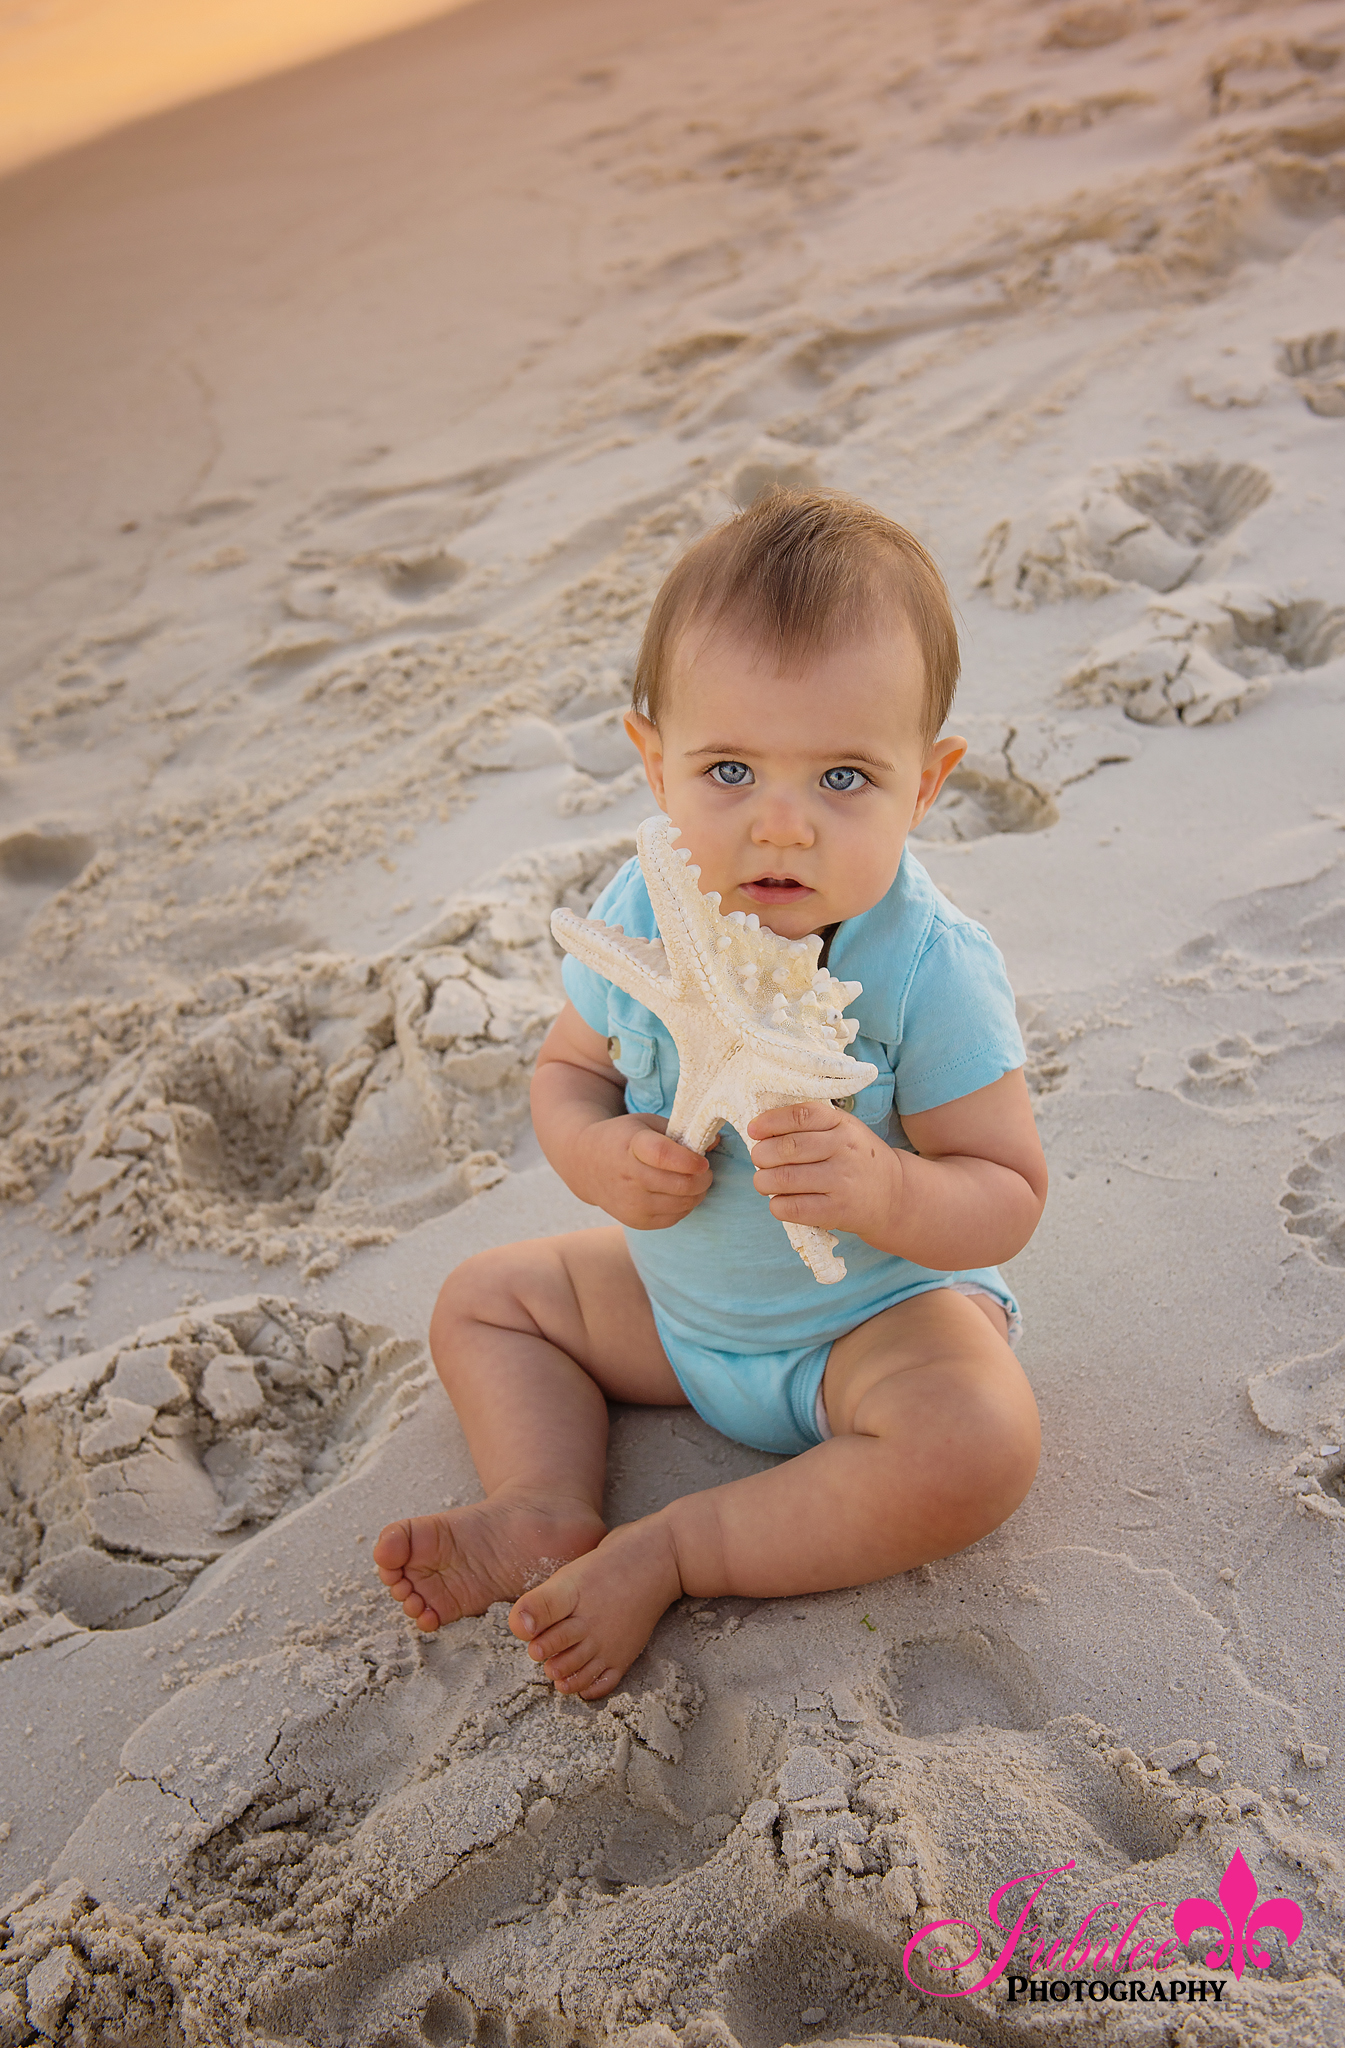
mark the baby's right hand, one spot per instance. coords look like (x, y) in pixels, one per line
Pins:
(640, 1176)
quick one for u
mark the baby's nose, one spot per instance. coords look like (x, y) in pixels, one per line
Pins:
(780, 821)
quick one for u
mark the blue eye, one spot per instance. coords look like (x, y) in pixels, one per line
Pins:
(731, 774)
(843, 780)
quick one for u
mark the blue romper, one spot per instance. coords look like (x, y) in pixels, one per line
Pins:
(745, 1326)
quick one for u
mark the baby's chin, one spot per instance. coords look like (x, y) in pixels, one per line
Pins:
(790, 914)
(793, 913)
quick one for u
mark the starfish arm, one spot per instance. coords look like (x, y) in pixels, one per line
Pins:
(696, 1127)
(680, 911)
(774, 1082)
(728, 1082)
(639, 966)
(817, 1248)
(699, 1109)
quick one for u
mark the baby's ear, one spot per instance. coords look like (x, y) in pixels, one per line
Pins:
(940, 761)
(644, 734)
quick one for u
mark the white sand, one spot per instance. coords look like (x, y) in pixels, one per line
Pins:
(354, 419)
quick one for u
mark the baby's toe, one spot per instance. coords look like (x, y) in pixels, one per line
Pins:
(582, 1669)
(598, 1688)
(541, 1607)
(552, 1641)
(393, 1548)
(567, 1663)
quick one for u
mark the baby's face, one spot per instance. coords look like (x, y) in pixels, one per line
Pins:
(795, 791)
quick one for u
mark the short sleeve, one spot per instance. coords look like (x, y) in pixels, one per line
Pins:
(587, 991)
(959, 1026)
(619, 903)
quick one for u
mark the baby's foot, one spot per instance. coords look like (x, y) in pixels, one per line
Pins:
(440, 1567)
(589, 1621)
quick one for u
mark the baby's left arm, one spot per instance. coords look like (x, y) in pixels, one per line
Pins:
(969, 1195)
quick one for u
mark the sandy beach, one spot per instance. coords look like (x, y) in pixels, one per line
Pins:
(353, 417)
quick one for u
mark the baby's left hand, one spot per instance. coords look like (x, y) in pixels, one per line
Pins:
(819, 1164)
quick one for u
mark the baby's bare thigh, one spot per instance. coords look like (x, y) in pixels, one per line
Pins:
(940, 1328)
(580, 1293)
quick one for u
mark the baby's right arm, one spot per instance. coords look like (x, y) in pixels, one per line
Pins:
(619, 1162)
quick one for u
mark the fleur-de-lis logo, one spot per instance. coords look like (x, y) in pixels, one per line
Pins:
(1238, 1924)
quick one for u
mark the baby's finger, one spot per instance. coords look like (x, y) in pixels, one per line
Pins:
(796, 1148)
(818, 1209)
(674, 1188)
(653, 1148)
(789, 1180)
(660, 1123)
(660, 1212)
(797, 1116)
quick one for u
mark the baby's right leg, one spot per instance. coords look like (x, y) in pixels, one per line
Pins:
(530, 1341)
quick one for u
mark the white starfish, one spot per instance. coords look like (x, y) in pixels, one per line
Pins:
(757, 1024)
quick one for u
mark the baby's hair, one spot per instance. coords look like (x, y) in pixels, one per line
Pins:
(803, 572)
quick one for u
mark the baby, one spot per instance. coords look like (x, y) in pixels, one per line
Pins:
(796, 670)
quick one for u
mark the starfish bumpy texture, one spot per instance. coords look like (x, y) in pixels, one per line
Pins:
(756, 1022)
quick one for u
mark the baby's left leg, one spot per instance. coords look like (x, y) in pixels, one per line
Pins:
(936, 1442)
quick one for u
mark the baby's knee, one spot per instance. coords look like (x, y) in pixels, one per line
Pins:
(1001, 1448)
(480, 1290)
(971, 1463)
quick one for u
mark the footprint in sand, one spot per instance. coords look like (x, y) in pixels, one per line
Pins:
(1316, 365)
(1303, 1399)
(284, 1109)
(1280, 940)
(1014, 769)
(1314, 1202)
(373, 590)
(1203, 655)
(604, 765)
(987, 793)
(44, 856)
(1154, 523)
(124, 1471)
(1242, 1077)
(942, 1683)
(35, 861)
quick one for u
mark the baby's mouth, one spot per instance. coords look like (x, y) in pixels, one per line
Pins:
(776, 889)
